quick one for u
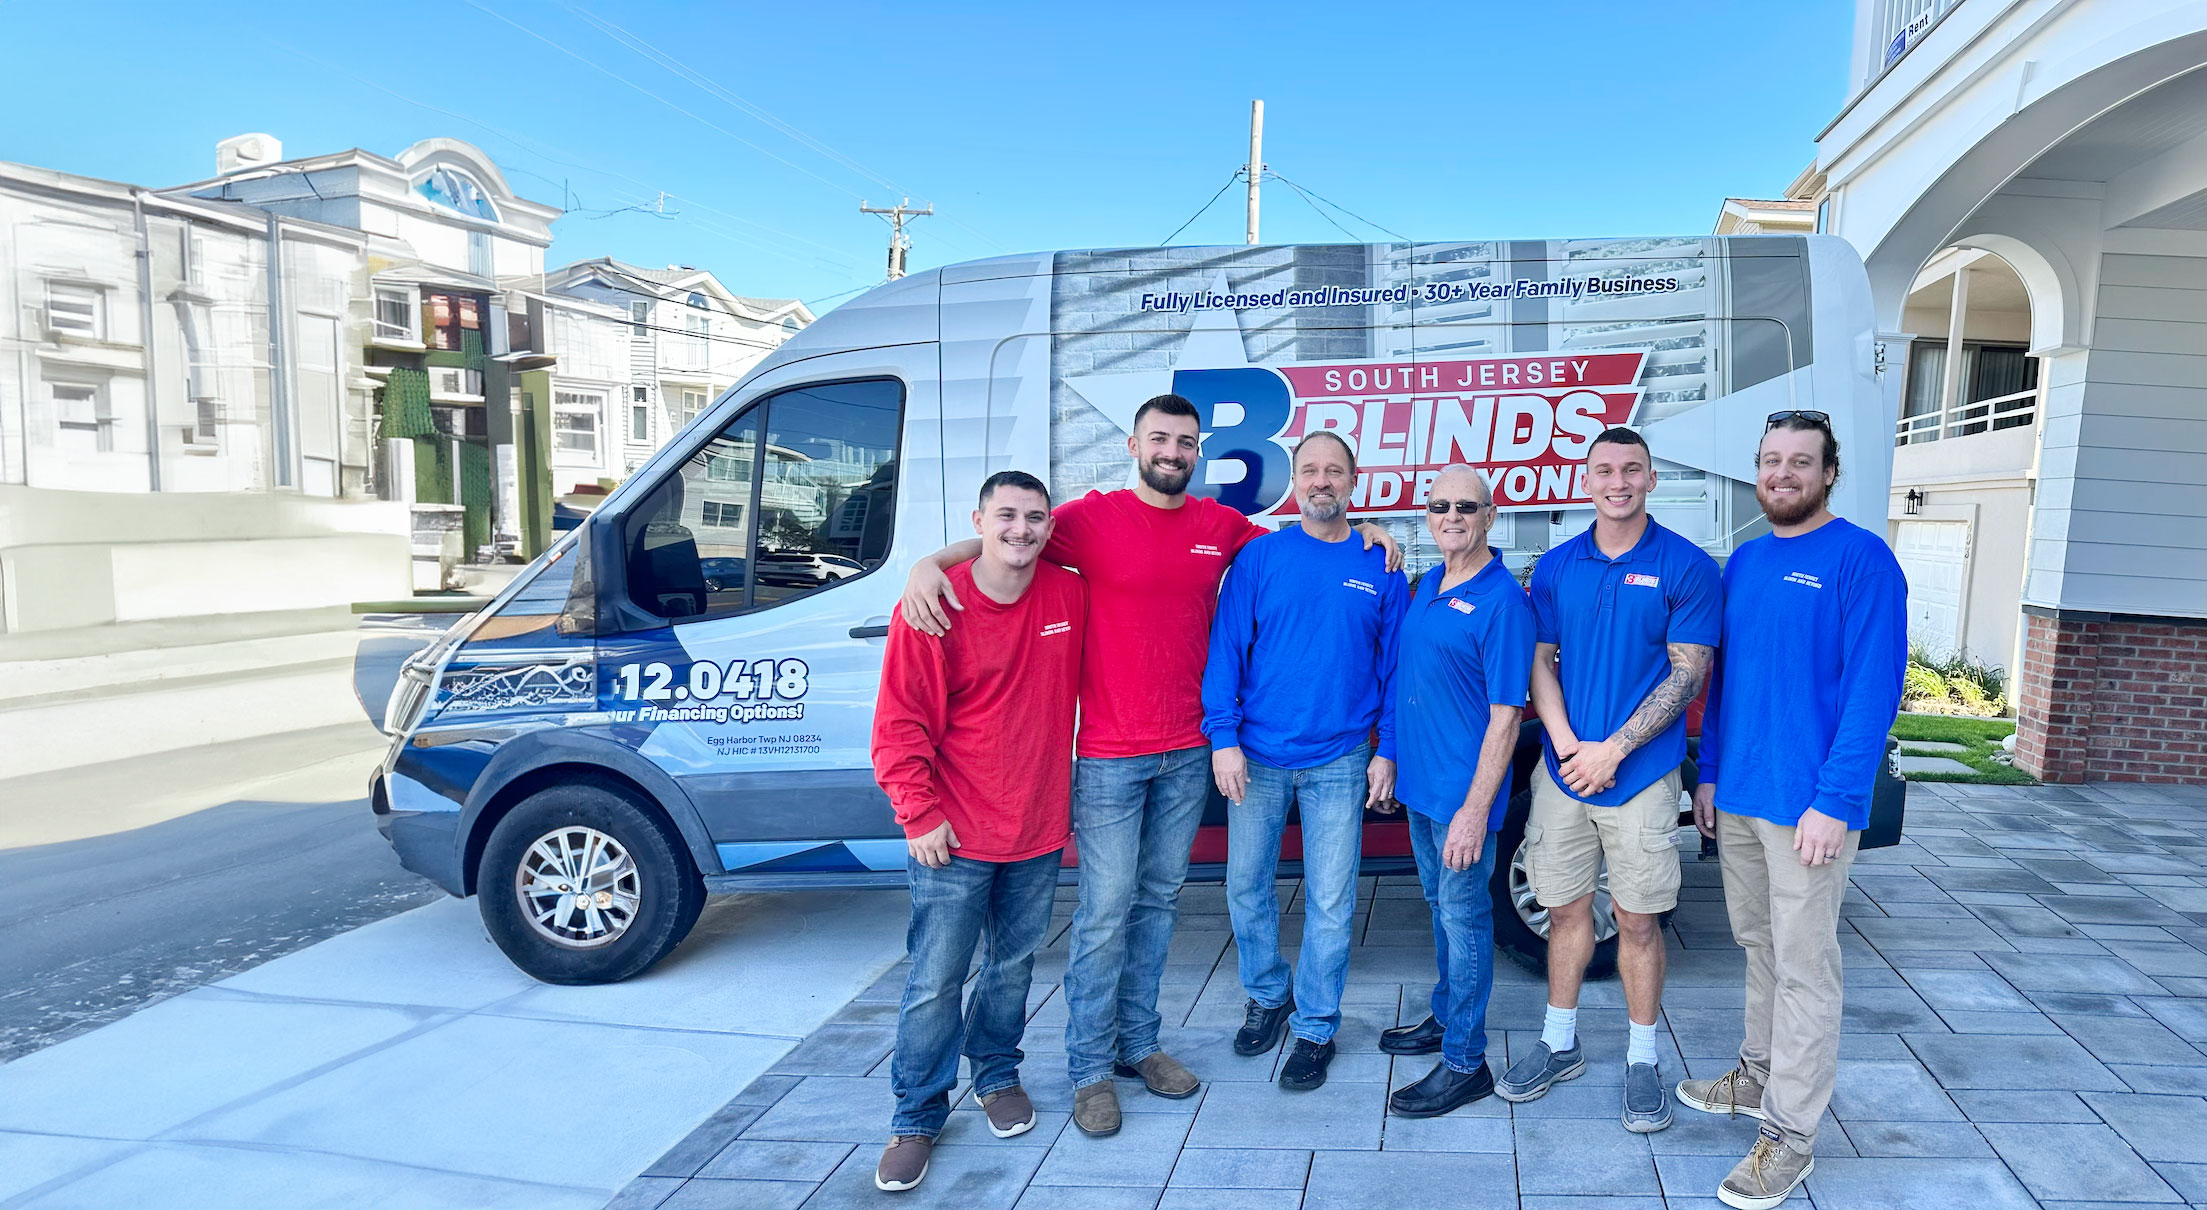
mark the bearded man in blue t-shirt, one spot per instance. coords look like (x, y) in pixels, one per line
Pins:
(1807, 680)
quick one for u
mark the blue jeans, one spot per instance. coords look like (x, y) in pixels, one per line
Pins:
(1134, 818)
(1331, 799)
(953, 909)
(1463, 941)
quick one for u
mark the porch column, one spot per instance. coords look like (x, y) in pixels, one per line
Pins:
(1950, 392)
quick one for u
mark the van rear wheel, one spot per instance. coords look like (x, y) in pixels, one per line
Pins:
(580, 884)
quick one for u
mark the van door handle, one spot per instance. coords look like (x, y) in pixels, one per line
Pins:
(870, 632)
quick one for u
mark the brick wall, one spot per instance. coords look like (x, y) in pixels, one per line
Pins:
(2113, 698)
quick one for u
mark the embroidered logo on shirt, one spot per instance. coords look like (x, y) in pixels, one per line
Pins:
(1802, 577)
(1460, 605)
(1642, 581)
(1360, 586)
(1205, 548)
(1056, 628)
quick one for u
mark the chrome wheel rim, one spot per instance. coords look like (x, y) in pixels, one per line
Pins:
(578, 887)
(1536, 917)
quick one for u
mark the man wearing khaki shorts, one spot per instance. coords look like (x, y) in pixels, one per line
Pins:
(1633, 610)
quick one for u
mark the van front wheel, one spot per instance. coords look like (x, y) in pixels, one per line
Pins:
(579, 884)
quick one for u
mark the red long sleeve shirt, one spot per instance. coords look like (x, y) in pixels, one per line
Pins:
(976, 727)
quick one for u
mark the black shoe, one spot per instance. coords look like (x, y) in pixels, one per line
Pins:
(1261, 1029)
(1306, 1065)
(1424, 1038)
(1443, 1089)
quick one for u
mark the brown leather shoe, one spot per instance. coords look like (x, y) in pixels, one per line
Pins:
(1096, 1109)
(1010, 1112)
(1162, 1075)
(904, 1163)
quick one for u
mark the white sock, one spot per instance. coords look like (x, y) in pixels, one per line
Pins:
(1642, 1047)
(1561, 1030)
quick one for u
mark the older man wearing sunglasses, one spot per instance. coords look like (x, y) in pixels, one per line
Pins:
(1463, 659)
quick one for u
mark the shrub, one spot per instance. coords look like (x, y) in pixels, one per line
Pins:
(1952, 684)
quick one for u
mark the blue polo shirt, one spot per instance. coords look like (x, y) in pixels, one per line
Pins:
(1611, 620)
(1459, 652)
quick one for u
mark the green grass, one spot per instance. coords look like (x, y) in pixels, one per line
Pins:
(1981, 735)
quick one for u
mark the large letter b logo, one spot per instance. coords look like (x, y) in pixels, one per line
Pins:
(1262, 397)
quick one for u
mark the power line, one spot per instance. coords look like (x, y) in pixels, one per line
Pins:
(814, 302)
(1343, 209)
(1315, 210)
(1206, 206)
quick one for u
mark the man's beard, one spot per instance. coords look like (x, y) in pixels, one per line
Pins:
(1324, 512)
(1803, 507)
(1166, 480)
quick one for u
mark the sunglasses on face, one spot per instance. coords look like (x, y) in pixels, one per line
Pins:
(1819, 419)
(1469, 508)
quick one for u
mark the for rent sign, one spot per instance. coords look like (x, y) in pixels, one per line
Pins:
(1525, 422)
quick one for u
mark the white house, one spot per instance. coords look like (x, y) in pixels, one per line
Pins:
(2027, 183)
(688, 339)
(184, 425)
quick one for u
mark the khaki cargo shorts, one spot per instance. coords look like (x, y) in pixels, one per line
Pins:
(1566, 840)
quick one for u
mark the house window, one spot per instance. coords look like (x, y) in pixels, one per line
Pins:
(575, 416)
(639, 422)
(790, 326)
(639, 315)
(693, 402)
(83, 419)
(695, 348)
(717, 513)
(450, 315)
(398, 314)
(76, 310)
(478, 255)
(205, 431)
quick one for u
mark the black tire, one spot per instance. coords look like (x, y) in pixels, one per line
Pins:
(663, 885)
(1526, 941)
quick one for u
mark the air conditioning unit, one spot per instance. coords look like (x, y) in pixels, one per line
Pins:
(455, 380)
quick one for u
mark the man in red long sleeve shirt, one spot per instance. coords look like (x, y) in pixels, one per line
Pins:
(973, 742)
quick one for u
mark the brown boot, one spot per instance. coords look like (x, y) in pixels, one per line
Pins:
(1096, 1109)
(1161, 1074)
(903, 1163)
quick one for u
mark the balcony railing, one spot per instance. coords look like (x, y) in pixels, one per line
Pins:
(1967, 419)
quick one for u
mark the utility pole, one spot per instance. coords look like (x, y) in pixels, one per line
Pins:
(1255, 171)
(899, 242)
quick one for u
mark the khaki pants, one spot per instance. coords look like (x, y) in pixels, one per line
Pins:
(1786, 916)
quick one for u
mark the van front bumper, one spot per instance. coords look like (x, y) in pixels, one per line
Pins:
(422, 827)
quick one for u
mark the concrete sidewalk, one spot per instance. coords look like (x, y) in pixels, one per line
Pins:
(408, 1064)
(2025, 1023)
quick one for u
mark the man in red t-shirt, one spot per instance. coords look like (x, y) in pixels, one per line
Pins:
(1153, 556)
(973, 742)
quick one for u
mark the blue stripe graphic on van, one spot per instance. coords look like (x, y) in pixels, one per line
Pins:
(811, 856)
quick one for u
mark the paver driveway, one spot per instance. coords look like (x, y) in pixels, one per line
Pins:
(2026, 1010)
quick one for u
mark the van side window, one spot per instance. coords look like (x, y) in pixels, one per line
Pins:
(748, 524)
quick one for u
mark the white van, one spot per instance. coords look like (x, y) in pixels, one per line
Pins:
(677, 698)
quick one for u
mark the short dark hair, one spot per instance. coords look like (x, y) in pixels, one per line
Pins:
(1346, 448)
(1798, 423)
(1018, 479)
(1169, 404)
(1620, 435)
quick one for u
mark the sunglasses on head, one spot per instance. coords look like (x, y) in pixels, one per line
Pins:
(1819, 419)
(1465, 507)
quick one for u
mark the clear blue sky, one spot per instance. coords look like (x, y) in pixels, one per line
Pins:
(1028, 126)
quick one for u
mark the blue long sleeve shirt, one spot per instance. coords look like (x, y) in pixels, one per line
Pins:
(1808, 677)
(1303, 651)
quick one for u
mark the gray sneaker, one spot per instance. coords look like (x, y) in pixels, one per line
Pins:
(1531, 1077)
(1647, 1109)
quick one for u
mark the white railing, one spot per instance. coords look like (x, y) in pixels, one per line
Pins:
(1967, 419)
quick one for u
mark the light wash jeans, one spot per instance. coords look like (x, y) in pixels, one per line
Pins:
(1331, 800)
(1134, 818)
(953, 910)
(1463, 941)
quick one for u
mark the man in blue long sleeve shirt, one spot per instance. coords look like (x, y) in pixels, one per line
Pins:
(1807, 680)
(1302, 651)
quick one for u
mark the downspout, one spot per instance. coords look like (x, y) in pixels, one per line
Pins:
(145, 333)
(279, 365)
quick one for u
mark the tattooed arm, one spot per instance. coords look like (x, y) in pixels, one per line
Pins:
(1593, 767)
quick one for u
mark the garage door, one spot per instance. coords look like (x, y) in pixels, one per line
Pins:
(1935, 555)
